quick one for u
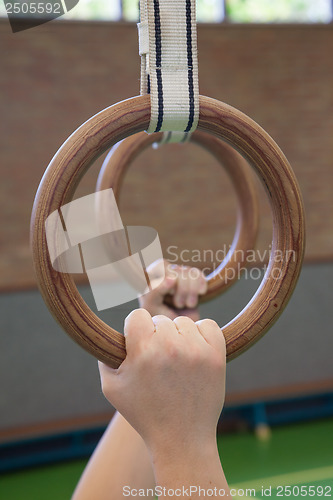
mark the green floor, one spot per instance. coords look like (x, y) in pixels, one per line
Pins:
(295, 456)
(298, 455)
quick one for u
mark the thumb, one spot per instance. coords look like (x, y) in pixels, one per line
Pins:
(162, 277)
(167, 286)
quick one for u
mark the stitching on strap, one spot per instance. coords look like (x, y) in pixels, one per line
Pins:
(169, 65)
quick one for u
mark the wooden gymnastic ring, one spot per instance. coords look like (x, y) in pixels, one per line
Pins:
(124, 153)
(100, 133)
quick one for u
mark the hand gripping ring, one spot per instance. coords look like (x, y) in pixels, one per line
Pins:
(123, 154)
(108, 127)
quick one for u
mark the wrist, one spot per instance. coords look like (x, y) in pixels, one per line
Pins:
(184, 454)
(190, 468)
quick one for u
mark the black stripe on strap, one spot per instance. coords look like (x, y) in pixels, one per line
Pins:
(158, 46)
(190, 65)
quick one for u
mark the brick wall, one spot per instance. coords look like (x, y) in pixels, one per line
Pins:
(54, 77)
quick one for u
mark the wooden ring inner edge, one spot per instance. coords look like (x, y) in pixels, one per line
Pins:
(128, 117)
(123, 154)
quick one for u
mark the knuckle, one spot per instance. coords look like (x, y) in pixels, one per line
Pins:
(203, 281)
(174, 351)
(184, 324)
(196, 355)
(209, 323)
(170, 351)
(195, 274)
(183, 320)
(158, 319)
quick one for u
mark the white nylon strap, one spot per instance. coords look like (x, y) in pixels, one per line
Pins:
(169, 65)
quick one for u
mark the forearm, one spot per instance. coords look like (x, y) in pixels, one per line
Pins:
(120, 459)
(171, 388)
(190, 471)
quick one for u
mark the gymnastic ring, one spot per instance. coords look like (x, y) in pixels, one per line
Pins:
(128, 117)
(124, 153)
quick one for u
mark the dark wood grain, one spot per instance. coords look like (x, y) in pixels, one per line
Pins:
(127, 118)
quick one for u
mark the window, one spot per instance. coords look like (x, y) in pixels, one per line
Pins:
(128, 10)
(279, 11)
(232, 11)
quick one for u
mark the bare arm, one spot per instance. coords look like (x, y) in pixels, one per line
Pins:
(121, 457)
(171, 389)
